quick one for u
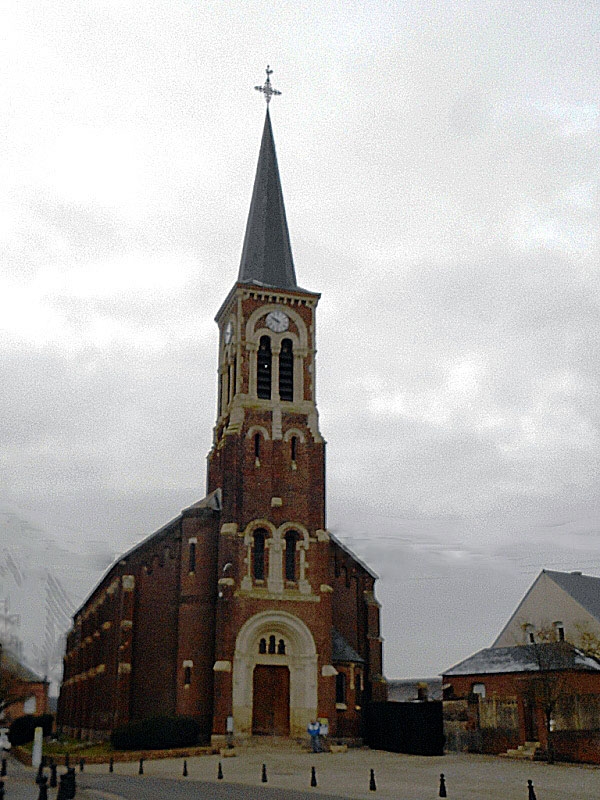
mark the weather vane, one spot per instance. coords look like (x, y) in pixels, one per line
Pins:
(267, 89)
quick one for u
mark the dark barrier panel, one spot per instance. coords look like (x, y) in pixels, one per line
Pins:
(414, 728)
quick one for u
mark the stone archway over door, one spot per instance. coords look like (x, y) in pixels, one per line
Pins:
(299, 658)
(271, 700)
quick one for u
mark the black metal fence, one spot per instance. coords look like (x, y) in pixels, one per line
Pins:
(413, 728)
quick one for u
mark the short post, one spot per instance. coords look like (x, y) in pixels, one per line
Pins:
(530, 790)
(111, 765)
(443, 786)
(67, 760)
(40, 772)
(71, 785)
(220, 772)
(264, 774)
(313, 776)
(1, 790)
(81, 764)
(372, 784)
(185, 772)
(53, 775)
(3, 768)
(38, 743)
(141, 769)
(43, 794)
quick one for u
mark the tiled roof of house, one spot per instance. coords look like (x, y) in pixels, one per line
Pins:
(525, 658)
(17, 669)
(585, 589)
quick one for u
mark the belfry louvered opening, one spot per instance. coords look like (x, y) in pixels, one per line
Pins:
(263, 367)
(286, 370)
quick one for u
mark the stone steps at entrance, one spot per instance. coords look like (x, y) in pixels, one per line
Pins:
(523, 751)
(273, 743)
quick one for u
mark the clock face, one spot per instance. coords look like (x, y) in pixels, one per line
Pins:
(277, 321)
(228, 332)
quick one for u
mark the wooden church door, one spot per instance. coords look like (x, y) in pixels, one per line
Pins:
(271, 701)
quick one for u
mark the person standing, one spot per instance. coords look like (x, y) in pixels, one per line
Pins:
(314, 731)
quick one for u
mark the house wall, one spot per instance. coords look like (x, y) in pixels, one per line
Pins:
(25, 689)
(568, 688)
(545, 604)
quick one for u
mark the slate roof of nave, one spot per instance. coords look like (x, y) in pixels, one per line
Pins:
(525, 658)
(349, 552)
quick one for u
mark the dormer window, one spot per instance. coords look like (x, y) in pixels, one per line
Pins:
(286, 371)
(263, 367)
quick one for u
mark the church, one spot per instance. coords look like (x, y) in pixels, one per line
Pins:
(244, 611)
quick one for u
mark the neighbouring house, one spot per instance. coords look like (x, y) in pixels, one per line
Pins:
(244, 611)
(559, 606)
(22, 691)
(541, 697)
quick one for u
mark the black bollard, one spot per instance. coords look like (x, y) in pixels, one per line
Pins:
(111, 765)
(185, 772)
(40, 773)
(530, 790)
(220, 772)
(372, 784)
(264, 774)
(3, 768)
(71, 785)
(67, 760)
(81, 764)
(141, 769)
(443, 786)
(1, 790)
(43, 795)
(313, 776)
(53, 775)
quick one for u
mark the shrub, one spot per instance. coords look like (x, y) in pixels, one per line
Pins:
(156, 733)
(22, 730)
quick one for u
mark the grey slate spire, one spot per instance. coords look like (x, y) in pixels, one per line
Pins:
(267, 253)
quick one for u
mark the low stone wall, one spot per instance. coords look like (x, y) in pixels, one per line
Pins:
(24, 755)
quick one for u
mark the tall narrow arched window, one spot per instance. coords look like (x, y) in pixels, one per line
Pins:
(286, 371)
(291, 538)
(294, 448)
(259, 555)
(272, 645)
(257, 445)
(263, 368)
(340, 688)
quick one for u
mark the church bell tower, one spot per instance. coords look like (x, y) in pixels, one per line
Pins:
(268, 459)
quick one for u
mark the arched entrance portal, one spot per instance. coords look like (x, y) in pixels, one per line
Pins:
(274, 675)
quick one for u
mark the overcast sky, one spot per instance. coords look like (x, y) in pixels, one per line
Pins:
(440, 168)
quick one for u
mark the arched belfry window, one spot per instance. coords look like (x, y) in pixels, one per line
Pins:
(263, 368)
(259, 555)
(291, 538)
(286, 371)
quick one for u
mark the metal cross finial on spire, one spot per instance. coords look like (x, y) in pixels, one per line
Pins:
(267, 89)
